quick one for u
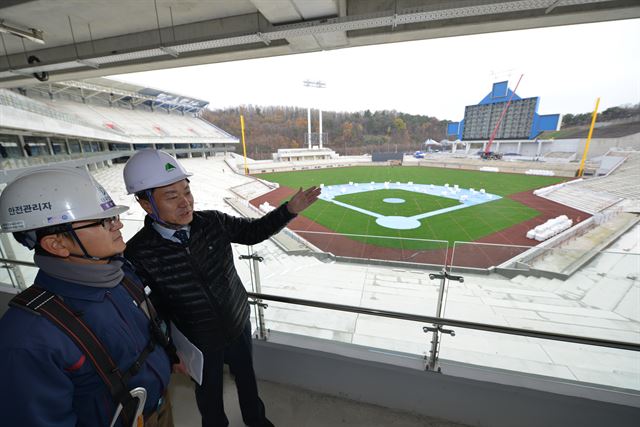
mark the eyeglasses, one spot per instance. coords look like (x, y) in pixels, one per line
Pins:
(106, 223)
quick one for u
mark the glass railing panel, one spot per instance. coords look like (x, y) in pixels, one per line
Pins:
(131, 225)
(356, 276)
(14, 250)
(305, 277)
(559, 361)
(578, 292)
(18, 276)
(7, 271)
(6, 276)
(361, 271)
(582, 292)
(28, 274)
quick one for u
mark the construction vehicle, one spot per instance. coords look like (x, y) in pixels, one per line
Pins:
(490, 155)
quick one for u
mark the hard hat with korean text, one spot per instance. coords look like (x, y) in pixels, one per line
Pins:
(52, 196)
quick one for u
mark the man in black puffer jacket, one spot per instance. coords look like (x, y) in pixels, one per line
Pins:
(186, 258)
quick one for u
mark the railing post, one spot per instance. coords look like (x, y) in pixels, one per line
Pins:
(260, 306)
(262, 329)
(436, 330)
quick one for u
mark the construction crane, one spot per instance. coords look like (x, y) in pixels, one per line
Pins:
(487, 151)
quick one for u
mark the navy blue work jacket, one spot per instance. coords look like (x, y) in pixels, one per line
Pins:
(45, 380)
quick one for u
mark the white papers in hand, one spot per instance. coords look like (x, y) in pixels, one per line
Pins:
(189, 354)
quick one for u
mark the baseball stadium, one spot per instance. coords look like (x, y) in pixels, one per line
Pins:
(500, 271)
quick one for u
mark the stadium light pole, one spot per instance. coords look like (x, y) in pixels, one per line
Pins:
(309, 127)
(319, 85)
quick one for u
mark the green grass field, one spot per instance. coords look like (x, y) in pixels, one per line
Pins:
(415, 203)
(467, 224)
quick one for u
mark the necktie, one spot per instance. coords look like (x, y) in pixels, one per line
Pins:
(182, 236)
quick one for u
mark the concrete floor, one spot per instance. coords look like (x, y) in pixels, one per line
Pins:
(291, 406)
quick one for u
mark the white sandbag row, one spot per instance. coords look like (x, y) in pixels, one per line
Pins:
(550, 228)
(542, 172)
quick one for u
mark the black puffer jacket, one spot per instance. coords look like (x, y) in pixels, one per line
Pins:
(198, 287)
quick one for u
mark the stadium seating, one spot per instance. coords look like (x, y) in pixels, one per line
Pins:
(623, 181)
(11, 99)
(596, 194)
(140, 123)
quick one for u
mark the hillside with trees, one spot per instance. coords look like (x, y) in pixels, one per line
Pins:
(614, 122)
(270, 128)
(608, 115)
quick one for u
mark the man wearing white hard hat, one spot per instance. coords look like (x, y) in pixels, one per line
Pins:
(185, 257)
(82, 346)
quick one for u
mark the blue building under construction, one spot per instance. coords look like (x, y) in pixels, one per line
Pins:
(521, 120)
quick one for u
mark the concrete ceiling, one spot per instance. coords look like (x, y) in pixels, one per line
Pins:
(91, 38)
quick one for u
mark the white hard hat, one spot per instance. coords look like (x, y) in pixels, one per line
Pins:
(151, 168)
(53, 196)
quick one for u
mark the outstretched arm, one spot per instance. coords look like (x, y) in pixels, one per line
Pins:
(251, 231)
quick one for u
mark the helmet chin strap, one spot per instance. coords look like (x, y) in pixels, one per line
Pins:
(155, 215)
(84, 250)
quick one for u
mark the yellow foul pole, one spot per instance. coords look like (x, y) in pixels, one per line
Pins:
(586, 147)
(244, 147)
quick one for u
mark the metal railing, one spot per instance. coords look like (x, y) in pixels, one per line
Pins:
(6, 261)
(441, 321)
(257, 299)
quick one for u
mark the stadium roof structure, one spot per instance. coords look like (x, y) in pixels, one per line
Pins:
(116, 92)
(70, 40)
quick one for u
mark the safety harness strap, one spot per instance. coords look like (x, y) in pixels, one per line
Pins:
(47, 304)
(140, 297)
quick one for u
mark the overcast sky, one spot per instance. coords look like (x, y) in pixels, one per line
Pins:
(567, 67)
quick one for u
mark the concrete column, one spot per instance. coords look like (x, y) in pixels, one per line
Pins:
(21, 140)
(49, 146)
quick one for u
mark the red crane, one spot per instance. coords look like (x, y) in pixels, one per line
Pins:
(495, 131)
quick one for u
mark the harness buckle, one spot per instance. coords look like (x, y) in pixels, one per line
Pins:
(140, 394)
